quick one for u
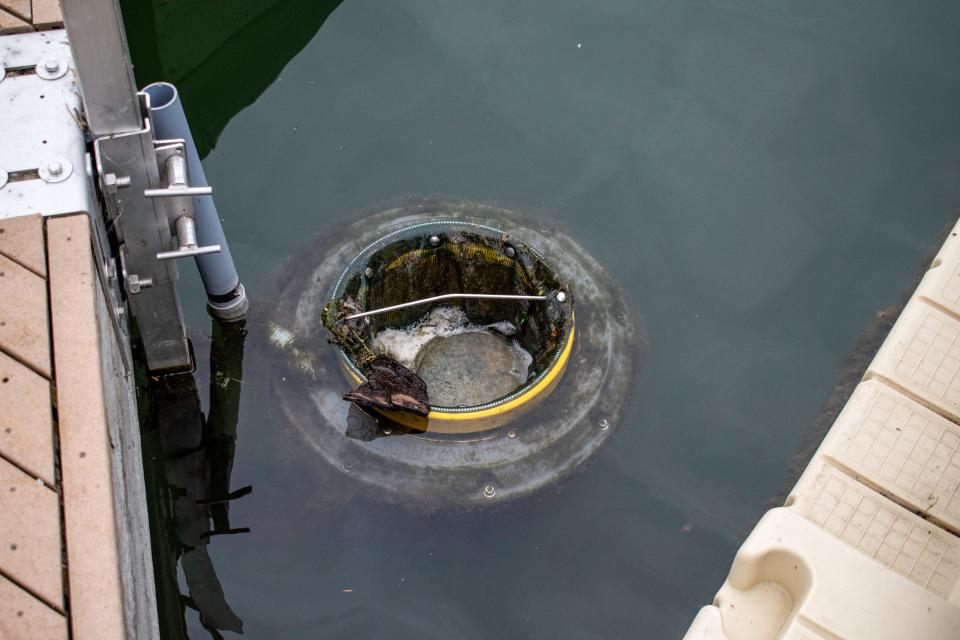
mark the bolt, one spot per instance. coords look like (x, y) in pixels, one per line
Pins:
(489, 491)
(51, 65)
(387, 432)
(135, 283)
(510, 251)
(435, 240)
(55, 167)
(604, 424)
(511, 434)
(368, 272)
(561, 296)
(112, 182)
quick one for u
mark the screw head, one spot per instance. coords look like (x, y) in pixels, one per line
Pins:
(511, 434)
(510, 251)
(435, 240)
(368, 272)
(489, 491)
(604, 424)
(561, 296)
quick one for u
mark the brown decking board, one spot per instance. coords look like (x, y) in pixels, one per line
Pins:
(30, 535)
(26, 421)
(21, 240)
(93, 562)
(33, 524)
(20, 16)
(24, 333)
(23, 616)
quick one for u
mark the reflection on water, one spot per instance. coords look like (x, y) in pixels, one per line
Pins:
(189, 461)
(221, 55)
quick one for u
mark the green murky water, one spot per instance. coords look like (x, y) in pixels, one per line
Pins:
(760, 177)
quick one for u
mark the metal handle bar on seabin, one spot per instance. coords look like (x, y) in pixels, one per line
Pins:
(560, 295)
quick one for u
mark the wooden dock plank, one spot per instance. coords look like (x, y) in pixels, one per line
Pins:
(26, 421)
(47, 14)
(23, 616)
(30, 535)
(19, 8)
(24, 333)
(21, 240)
(93, 562)
(10, 24)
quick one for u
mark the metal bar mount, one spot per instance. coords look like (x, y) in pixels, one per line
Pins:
(181, 203)
(559, 295)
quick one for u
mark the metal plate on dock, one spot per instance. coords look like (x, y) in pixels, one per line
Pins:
(43, 152)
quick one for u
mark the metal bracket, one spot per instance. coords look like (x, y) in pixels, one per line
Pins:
(179, 200)
(127, 167)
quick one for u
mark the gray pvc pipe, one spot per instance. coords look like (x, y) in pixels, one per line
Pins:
(226, 296)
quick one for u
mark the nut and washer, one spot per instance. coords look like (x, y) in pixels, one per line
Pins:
(55, 170)
(489, 491)
(52, 68)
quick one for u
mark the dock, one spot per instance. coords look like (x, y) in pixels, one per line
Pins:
(74, 546)
(867, 544)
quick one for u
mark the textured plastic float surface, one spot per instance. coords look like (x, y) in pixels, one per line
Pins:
(868, 543)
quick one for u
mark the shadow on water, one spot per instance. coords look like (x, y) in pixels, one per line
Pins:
(188, 461)
(221, 54)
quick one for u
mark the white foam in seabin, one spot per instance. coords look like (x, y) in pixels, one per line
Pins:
(405, 344)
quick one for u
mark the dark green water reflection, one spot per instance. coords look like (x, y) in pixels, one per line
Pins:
(761, 177)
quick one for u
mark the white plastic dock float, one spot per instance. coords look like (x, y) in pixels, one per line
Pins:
(867, 544)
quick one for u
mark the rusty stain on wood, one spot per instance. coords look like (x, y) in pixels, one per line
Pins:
(89, 512)
(21, 240)
(23, 316)
(26, 423)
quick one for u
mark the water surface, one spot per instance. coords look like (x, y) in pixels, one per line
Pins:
(759, 176)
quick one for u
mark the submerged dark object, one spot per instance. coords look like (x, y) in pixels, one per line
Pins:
(430, 469)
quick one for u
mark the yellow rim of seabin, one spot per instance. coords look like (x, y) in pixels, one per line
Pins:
(483, 419)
